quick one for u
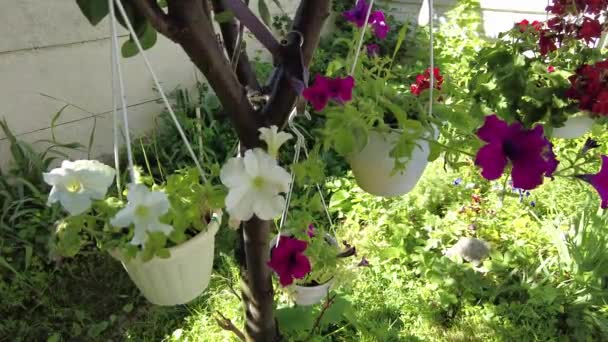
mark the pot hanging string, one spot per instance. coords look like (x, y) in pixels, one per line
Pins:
(117, 79)
(432, 58)
(361, 38)
(125, 18)
(300, 146)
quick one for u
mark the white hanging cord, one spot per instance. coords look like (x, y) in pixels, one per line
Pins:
(300, 145)
(123, 13)
(432, 58)
(360, 44)
(123, 96)
(114, 110)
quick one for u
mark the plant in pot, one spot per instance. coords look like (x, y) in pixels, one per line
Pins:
(378, 123)
(545, 72)
(163, 234)
(308, 262)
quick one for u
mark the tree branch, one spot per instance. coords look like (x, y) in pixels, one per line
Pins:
(227, 324)
(230, 33)
(198, 40)
(157, 17)
(309, 21)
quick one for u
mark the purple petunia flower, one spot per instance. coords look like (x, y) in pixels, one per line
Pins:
(363, 262)
(288, 260)
(310, 231)
(529, 152)
(379, 24)
(600, 181)
(457, 181)
(341, 89)
(357, 15)
(373, 50)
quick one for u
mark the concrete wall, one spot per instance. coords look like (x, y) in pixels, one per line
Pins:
(48, 47)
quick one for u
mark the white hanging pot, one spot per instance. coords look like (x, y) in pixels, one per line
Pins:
(373, 166)
(574, 127)
(181, 277)
(309, 295)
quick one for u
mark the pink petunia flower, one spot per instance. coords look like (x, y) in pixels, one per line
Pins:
(550, 69)
(288, 260)
(310, 231)
(529, 152)
(600, 181)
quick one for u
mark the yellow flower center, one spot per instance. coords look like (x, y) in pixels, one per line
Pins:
(258, 182)
(73, 185)
(142, 211)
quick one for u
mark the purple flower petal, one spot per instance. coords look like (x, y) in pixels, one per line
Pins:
(493, 129)
(357, 15)
(492, 161)
(600, 182)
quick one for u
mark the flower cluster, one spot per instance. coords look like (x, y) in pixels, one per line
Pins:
(577, 19)
(530, 153)
(423, 81)
(288, 260)
(589, 86)
(376, 18)
(524, 25)
(339, 89)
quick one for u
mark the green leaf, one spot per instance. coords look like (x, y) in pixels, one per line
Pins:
(338, 197)
(295, 319)
(94, 10)
(400, 39)
(223, 17)
(264, 12)
(54, 121)
(56, 337)
(96, 329)
(147, 39)
(334, 313)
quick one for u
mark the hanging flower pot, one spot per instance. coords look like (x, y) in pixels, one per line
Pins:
(373, 166)
(312, 292)
(181, 277)
(574, 127)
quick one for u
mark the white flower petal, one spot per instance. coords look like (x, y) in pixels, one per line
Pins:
(232, 173)
(273, 139)
(280, 178)
(124, 217)
(251, 162)
(157, 202)
(239, 203)
(139, 236)
(269, 207)
(74, 203)
(137, 193)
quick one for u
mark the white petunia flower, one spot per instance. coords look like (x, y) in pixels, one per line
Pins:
(273, 139)
(144, 207)
(255, 183)
(75, 184)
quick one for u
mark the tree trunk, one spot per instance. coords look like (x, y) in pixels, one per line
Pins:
(258, 294)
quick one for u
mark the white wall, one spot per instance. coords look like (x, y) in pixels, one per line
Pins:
(49, 47)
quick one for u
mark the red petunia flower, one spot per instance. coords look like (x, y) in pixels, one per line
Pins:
(546, 42)
(550, 69)
(529, 152)
(423, 81)
(289, 261)
(589, 30)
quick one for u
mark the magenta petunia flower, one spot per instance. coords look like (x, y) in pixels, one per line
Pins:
(529, 152)
(289, 261)
(339, 89)
(373, 50)
(357, 15)
(318, 93)
(600, 181)
(379, 25)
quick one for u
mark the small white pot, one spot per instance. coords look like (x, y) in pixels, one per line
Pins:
(181, 277)
(373, 166)
(310, 295)
(574, 127)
